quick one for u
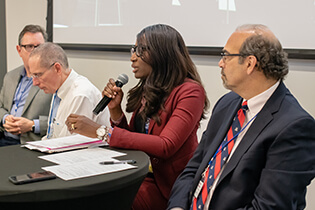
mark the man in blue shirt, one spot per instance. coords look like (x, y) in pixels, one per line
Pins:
(23, 107)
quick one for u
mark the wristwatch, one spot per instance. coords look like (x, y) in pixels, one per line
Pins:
(101, 132)
(33, 128)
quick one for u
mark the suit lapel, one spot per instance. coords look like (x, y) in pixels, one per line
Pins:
(253, 132)
(14, 85)
(264, 117)
(31, 95)
(221, 133)
(224, 128)
(33, 91)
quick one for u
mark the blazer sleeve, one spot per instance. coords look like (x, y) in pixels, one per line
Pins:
(183, 110)
(10, 82)
(182, 190)
(285, 176)
(181, 193)
(43, 125)
(3, 109)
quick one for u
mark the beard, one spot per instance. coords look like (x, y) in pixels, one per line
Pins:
(224, 81)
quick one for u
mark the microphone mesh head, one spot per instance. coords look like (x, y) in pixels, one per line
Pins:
(123, 78)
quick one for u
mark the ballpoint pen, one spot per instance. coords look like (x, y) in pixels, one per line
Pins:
(118, 162)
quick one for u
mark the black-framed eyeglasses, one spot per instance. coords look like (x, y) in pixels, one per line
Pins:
(29, 47)
(39, 75)
(225, 55)
(138, 50)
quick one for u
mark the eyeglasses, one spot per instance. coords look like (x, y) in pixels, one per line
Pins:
(138, 50)
(39, 75)
(225, 55)
(29, 47)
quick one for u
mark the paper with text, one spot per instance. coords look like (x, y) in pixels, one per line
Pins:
(77, 156)
(84, 163)
(85, 169)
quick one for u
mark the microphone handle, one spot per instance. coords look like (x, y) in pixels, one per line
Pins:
(101, 105)
(105, 100)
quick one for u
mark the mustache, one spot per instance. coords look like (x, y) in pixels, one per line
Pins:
(222, 72)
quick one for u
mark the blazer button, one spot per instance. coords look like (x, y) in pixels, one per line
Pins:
(155, 160)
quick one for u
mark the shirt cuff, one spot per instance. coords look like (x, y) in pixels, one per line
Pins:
(3, 119)
(37, 128)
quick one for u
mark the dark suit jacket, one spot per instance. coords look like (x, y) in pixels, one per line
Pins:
(172, 144)
(270, 168)
(36, 106)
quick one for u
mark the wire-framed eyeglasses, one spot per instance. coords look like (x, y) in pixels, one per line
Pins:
(225, 55)
(39, 75)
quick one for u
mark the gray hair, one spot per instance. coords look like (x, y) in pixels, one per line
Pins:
(32, 29)
(50, 53)
(267, 49)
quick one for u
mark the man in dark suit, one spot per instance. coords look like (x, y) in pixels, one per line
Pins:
(272, 160)
(23, 107)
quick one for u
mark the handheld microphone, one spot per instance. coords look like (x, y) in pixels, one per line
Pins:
(121, 80)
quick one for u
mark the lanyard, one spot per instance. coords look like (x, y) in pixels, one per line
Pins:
(234, 137)
(146, 126)
(203, 175)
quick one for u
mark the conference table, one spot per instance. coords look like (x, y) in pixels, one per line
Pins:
(107, 191)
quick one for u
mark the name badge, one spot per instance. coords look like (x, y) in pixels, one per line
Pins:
(199, 187)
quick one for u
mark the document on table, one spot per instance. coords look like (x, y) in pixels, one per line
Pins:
(64, 143)
(84, 163)
(78, 156)
(85, 169)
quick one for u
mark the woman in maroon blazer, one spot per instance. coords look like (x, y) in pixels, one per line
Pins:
(167, 104)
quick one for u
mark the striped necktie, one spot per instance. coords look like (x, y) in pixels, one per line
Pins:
(218, 160)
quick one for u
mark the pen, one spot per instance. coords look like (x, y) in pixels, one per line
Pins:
(118, 162)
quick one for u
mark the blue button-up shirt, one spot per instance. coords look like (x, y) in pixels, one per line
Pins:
(19, 100)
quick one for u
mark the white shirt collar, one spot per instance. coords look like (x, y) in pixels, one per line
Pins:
(64, 88)
(256, 103)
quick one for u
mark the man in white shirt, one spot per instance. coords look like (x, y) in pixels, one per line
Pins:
(271, 158)
(73, 93)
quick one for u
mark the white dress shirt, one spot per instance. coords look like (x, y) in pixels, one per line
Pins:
(78, 96)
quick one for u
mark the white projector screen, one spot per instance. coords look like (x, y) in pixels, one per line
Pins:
(202, 23)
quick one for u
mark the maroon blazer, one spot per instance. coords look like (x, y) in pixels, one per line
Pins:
(172, 144)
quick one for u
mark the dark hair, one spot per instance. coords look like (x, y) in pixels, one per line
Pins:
(171, 64)
(272, 59)
(32, 29)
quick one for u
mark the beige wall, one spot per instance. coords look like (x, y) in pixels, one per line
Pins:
(99, 66)
(18, 14)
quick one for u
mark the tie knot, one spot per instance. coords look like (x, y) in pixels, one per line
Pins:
(244, 106)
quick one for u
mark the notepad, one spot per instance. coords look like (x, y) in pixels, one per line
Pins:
(64, 143)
